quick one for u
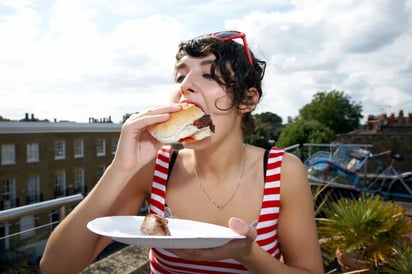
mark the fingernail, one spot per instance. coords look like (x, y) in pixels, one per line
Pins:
(236, 223)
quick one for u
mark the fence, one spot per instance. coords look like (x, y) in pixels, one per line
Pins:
(20, 251)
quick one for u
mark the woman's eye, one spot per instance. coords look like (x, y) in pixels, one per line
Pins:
(208, 76)
(179, 78)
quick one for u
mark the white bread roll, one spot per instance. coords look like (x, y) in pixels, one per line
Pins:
(182, 126)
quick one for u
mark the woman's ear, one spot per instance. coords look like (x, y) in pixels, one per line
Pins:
(251, 100)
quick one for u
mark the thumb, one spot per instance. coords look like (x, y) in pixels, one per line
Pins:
(241, 227)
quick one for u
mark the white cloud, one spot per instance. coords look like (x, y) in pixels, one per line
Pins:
(106, 57)
(359, 48)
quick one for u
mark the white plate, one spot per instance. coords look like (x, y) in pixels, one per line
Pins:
(184, 233)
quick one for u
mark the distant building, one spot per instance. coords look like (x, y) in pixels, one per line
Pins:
(46, 160)
(386, 132)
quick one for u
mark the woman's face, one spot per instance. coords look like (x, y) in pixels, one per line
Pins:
(195, 84)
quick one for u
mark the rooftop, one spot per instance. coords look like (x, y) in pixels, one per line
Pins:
(7, 127)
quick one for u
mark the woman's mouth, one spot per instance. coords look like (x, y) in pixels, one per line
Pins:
(192, 102)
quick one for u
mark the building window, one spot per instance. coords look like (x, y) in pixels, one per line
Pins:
(114, 145)
(100, 171)
(79, 181)
(8, 154)
(59, 184)
(32, 153)
(101, 147)
(27, 223)
(54, 219)
(4, 231)
(9, 193)
(59, 150)
(33, 189)
(78, 148)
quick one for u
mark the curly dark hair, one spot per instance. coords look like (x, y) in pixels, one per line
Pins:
(236, 78)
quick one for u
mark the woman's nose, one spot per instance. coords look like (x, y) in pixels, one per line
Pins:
(188, 85)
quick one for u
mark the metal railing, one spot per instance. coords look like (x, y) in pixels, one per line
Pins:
(17, 212)
(307, 149)
(30, 244)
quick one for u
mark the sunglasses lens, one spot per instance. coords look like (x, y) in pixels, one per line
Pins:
(226, 34)
(230, 35)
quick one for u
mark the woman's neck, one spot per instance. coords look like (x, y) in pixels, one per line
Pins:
(221, 163)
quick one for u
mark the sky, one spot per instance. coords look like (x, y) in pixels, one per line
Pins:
(76, 59)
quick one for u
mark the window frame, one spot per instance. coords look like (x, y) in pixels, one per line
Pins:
(32, 153)
(79, 180)
(59, 151)
(8, 186)
(114, 145)
(8, 154)
(33, 189)
(60, 183)
(100, 147)
(78, 148)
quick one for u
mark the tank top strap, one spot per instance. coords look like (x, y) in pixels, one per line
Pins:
(160, 177)
(267, 225)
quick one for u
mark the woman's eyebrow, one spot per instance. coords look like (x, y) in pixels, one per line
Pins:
(182, 65)
(206, 62)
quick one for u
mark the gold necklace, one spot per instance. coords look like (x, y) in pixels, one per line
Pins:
(222, 206)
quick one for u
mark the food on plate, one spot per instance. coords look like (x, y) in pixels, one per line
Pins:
(155, 225)
(186, 125)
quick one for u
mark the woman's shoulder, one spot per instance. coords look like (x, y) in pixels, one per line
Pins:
(293, 172)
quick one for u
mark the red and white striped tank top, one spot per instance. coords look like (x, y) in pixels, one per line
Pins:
(162, 261)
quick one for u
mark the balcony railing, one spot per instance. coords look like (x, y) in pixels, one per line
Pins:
(27, 244)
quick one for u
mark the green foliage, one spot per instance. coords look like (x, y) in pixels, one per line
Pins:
(126, 116)
(333, 109)
(328, 114)
(268, 118)
(3, 118)
(321, 195)
(302, 131)
(403, 262)
(373, 229)
(267, 129)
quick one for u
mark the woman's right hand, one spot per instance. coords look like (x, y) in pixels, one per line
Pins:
(136, 145)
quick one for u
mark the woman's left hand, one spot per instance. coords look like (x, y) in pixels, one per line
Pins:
(235, 249)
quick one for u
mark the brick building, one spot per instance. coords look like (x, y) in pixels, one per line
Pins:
(47, 160)
(385, 133)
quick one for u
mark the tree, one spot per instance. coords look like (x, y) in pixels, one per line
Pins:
(126, 116)
(3, 118)
(267, 129)
(302, 131)
(333, 109)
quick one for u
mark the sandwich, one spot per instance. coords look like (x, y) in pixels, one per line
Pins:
(189, 124)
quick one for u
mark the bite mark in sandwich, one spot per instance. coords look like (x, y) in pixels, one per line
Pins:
(186, 125)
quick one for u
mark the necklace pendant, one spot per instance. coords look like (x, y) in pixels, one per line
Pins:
(221, 207)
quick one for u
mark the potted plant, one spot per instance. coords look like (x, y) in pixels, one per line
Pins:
(364, 233)
(403, 262)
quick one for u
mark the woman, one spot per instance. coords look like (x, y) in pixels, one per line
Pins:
(260, 194)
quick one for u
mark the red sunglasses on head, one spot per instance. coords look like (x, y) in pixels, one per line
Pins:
(230, 35)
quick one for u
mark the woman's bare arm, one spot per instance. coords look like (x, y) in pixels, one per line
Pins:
(121, 190)
(72, 247)
(297, 226)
